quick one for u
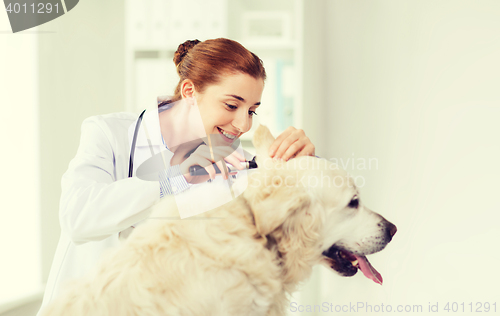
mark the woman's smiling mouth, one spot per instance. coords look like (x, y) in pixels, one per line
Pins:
(228, 137)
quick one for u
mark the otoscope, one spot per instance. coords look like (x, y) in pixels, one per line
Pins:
(198, 170)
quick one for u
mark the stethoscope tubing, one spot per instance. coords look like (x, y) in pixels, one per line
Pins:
(132, 149)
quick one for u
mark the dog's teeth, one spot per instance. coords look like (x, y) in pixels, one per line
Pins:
(355, 263)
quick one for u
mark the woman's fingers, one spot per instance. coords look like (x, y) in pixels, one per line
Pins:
(307, 150)
(211, 171)
(220, 165)
(237, 154)
(292, 137)
(302, 147)
(291, 143)
(207, 159)
(234, 161)
(277, 142)
(229, 155)
(194, 161)
(293, 150)
(206, 164)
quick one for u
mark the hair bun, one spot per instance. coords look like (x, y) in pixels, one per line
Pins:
(183, 49)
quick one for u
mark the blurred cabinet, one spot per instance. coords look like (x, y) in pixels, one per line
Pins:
(270, 29)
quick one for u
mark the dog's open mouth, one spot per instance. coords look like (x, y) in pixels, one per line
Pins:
(347, 263)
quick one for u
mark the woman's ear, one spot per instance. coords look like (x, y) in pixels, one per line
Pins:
(187, 89)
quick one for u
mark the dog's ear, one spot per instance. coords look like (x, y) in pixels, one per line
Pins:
(274, 196)
(274, 203)
(262, 140)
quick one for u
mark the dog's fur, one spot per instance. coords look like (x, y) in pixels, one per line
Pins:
(240, 259)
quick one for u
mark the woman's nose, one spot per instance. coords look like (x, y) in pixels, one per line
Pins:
(242, 122)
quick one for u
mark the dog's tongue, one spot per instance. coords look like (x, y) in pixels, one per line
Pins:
(368, 270)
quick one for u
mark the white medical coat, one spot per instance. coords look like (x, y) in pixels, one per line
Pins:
(98, 200)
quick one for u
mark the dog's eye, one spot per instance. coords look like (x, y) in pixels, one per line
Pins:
(354, 202)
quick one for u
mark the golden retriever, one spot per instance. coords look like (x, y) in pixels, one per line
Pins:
(242, 258)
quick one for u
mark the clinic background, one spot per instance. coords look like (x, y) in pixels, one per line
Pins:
(412, 84)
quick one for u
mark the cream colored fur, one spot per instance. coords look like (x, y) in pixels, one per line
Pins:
(240, 259)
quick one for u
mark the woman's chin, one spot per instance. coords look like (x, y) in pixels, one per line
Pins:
(220, 140)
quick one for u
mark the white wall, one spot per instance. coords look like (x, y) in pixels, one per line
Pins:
(415, 84)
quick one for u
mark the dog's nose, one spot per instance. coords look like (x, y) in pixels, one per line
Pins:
(392, 229)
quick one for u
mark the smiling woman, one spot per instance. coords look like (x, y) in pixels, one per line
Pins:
(226, 81)
(222, 84)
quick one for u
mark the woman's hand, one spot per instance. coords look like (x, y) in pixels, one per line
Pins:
(203, 157)
(291, 143)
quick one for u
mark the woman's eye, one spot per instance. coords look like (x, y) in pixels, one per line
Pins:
(252, 113)
(232, 107)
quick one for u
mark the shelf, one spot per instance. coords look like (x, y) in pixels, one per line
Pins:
(264, 45)
(253, 45)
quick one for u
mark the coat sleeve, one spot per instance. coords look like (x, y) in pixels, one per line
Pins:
(94, 205)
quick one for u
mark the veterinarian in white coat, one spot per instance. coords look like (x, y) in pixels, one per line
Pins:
(219, 90)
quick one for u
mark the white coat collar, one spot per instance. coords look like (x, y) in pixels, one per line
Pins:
(150, 126)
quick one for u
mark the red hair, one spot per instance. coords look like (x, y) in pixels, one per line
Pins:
(205, 63)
